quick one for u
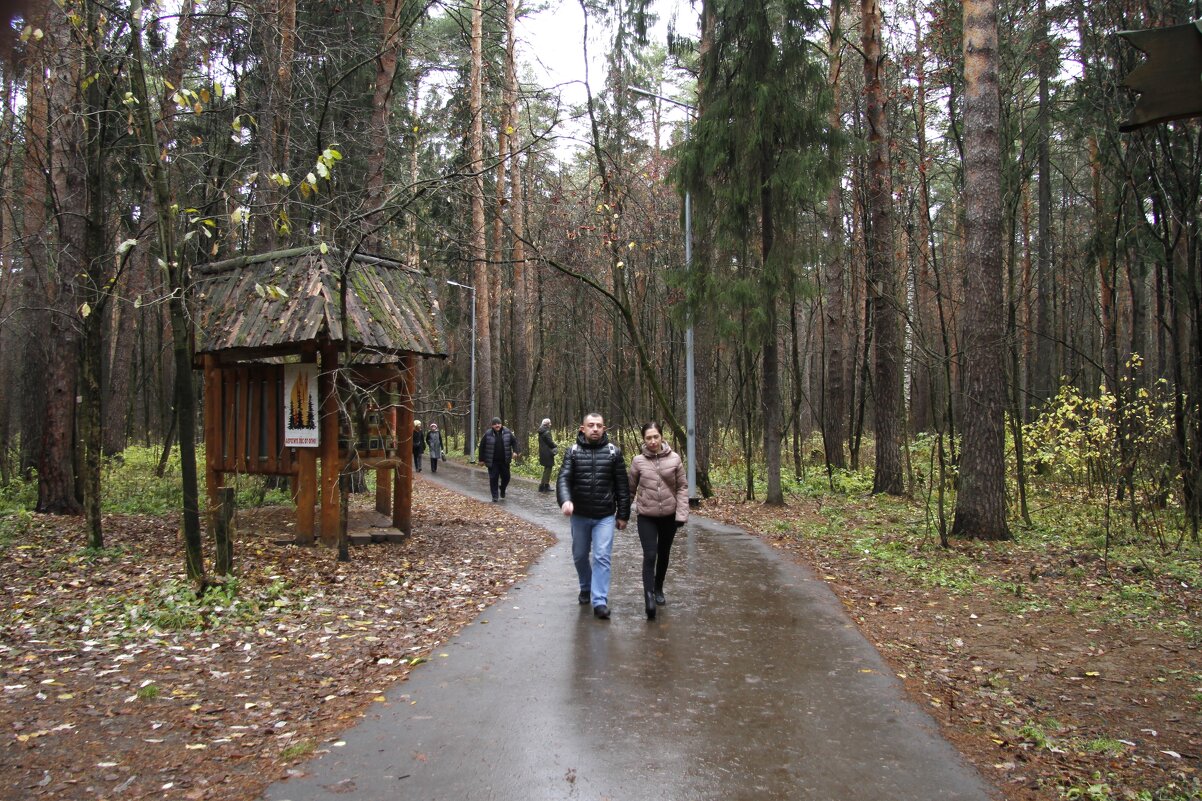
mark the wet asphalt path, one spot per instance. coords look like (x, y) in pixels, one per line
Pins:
(752, 684)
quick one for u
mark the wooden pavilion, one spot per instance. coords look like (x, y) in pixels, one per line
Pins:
(358, 324)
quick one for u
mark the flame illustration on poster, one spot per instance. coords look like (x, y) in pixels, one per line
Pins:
(300, 406)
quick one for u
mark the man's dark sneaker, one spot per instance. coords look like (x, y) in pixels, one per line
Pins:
(601, 612)
(502, 493)
(495, 499)
(583, 597)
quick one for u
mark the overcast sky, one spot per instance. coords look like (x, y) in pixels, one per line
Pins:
(551, 42)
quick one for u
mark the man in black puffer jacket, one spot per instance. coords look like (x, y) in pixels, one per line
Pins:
(497, 448)
(594, 491)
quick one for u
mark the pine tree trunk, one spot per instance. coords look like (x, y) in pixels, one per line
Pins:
(275, 119)
(833, 396)
(981, 497)
(927, 364)
(35, 251)
(379, 132)
(57, 491)
(97, 268)
(520, 336)
(1043, 372)
(888, 404)
(771, 395)
(486, 396)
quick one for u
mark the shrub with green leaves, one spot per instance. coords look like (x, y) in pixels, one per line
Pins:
(1115, 445)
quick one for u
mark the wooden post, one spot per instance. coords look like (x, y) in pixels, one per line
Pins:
(223, 533)
(213, 430)
(402, 503)
(384, 474)
(344, 489)
(304, 484)
(331, 466)
(306, 495)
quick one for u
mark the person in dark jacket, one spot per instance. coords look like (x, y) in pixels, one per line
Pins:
(594, 491)
(419, 445)
(546, 453)
(434, 443)
(497, 448)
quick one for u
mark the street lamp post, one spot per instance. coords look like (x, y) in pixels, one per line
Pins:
(690, 388)
(470, 444)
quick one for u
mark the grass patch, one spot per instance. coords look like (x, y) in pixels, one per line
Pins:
(1096, 791)
(175, 607)
(148, 692)
(298, 750)
(1104, 745)
(1037, 735)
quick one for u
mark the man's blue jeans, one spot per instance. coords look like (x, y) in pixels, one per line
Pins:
(593, 537)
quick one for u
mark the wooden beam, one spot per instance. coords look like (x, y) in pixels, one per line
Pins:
(255, 411)
(384, 474)
(243, 419)
(223, 532)
(331, 465)
(402, 502)
(212, 428)
(229, 419)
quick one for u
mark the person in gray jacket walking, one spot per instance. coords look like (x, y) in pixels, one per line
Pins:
(661, 499)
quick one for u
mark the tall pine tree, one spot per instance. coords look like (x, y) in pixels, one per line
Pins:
(761, 148)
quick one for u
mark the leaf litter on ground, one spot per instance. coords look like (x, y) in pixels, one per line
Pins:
(115, 679)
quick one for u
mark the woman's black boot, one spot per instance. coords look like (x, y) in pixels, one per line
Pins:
(650, 605)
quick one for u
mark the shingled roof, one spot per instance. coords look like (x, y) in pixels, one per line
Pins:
(268, 304)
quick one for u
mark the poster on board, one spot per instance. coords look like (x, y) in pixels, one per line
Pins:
(300, 406)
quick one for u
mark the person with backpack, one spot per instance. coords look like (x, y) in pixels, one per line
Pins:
(497, 448)
(594, 491)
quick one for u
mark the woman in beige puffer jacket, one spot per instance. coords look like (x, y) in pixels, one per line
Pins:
(661, 496)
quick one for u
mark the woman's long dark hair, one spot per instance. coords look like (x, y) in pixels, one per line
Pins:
(652, 424)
